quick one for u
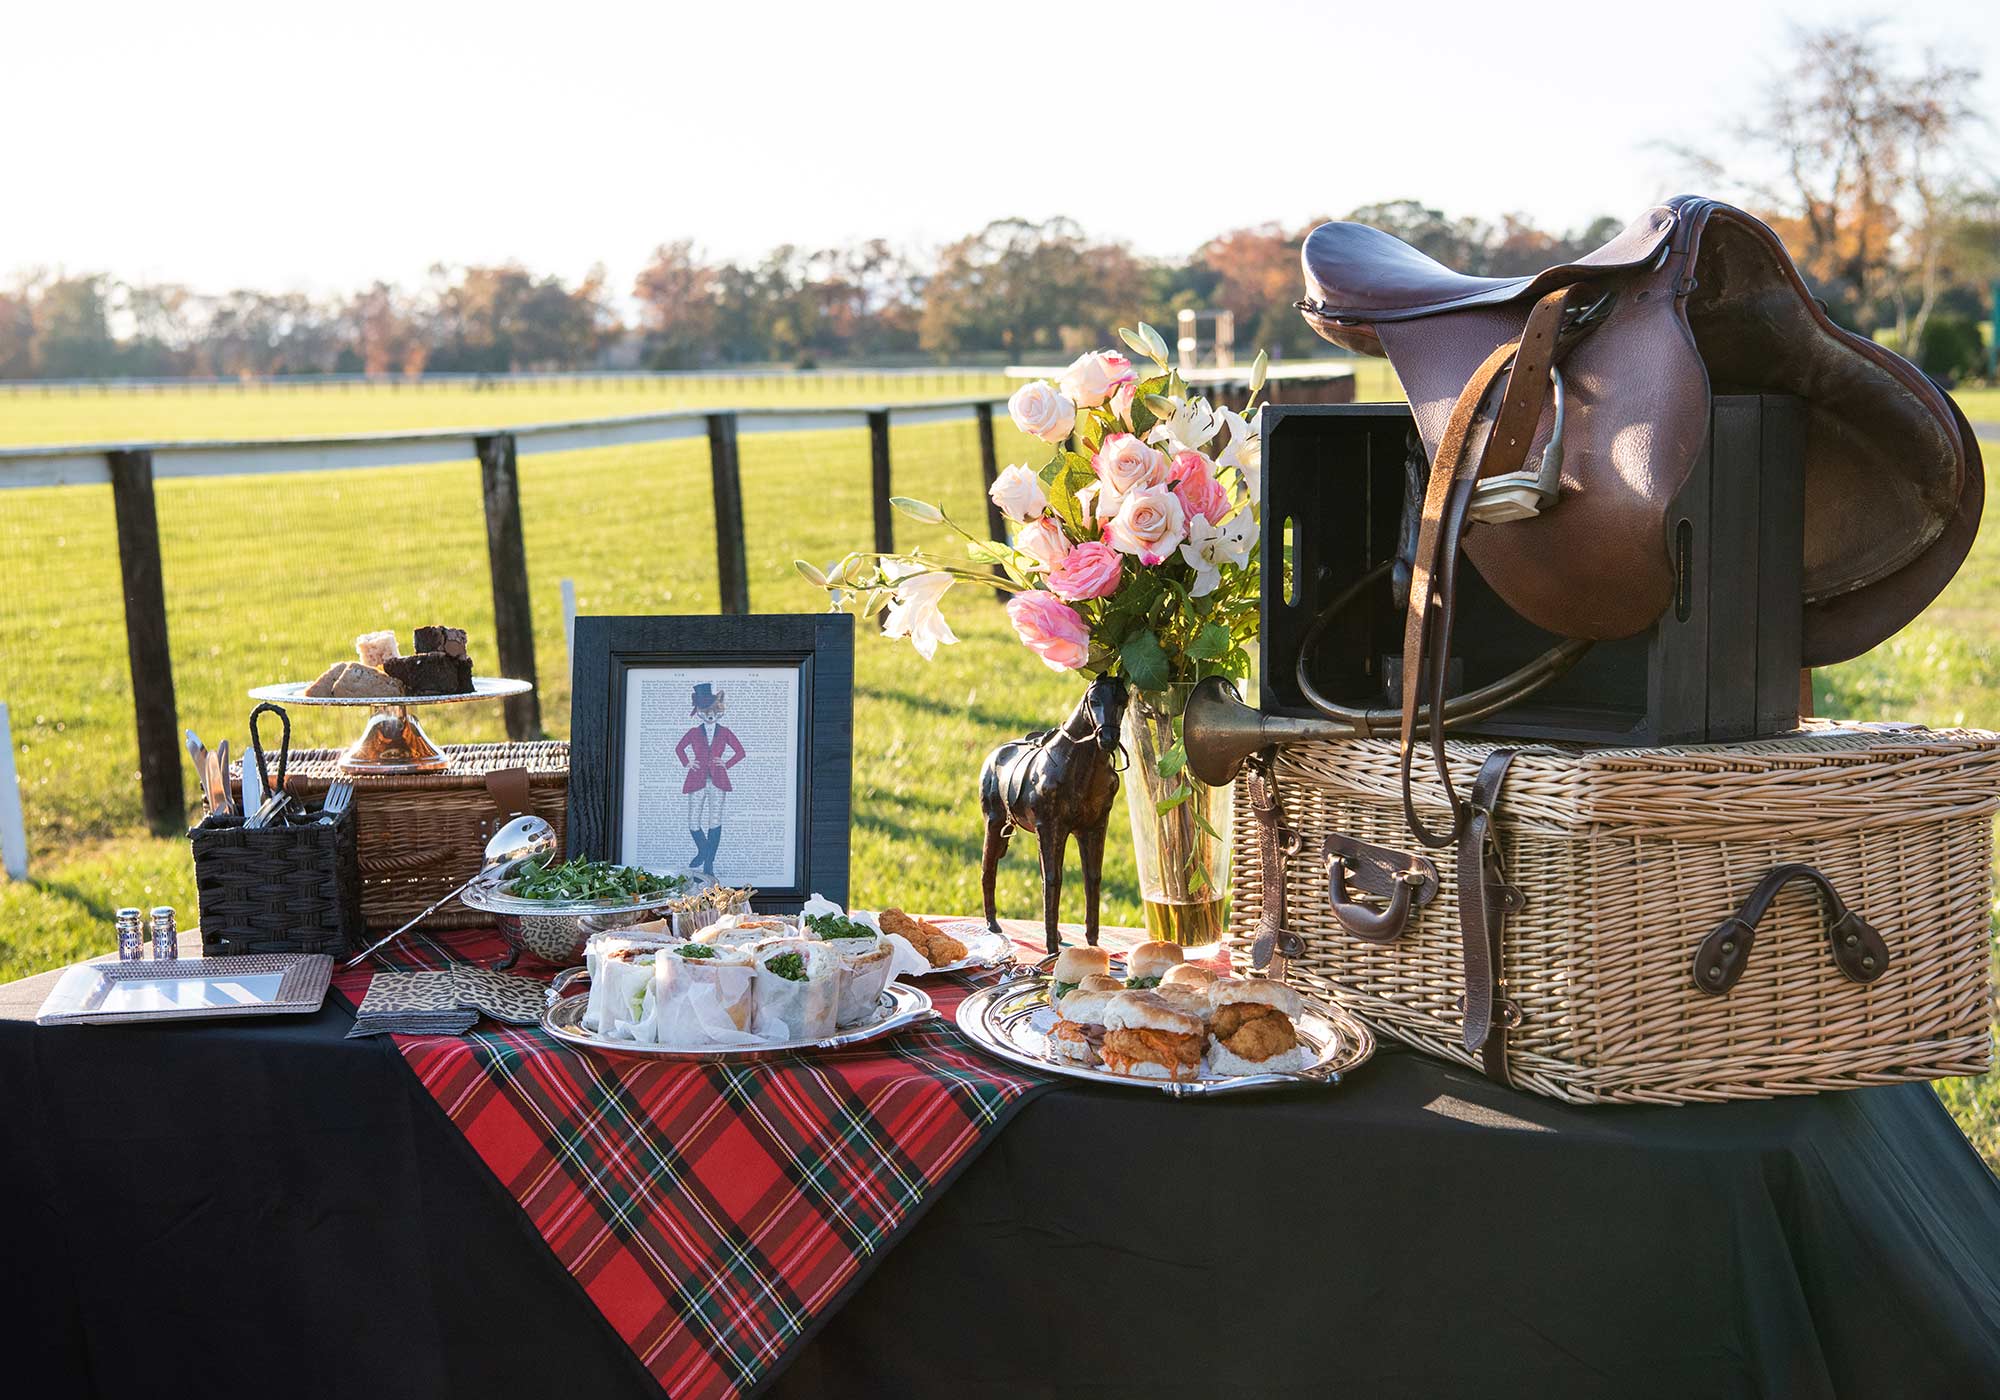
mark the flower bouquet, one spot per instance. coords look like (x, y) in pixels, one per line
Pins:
(1134, 554)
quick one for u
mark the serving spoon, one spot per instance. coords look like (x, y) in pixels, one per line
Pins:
(520, 839)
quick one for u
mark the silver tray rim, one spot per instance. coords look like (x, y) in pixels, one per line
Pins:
(488, 898)
(483, 688)
(904, 1006)
(301, 991)
(1321, 1024)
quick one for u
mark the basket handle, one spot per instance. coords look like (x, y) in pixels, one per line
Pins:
(1859, 951)
(1408, 882)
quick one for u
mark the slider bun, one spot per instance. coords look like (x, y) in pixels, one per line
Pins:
(1152, 959)
(1075, 964)
(1183, 997)
(1187, 974)
(1223, 1060)
(1262, 991)
(1147, 1011)
(1100, 982)
(1085, 1008)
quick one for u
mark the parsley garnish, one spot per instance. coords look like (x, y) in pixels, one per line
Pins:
(789, 966)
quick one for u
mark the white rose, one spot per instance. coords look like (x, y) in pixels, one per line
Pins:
(1092, 378)
(1149, 524)
(1019, 493)
(1039, 411)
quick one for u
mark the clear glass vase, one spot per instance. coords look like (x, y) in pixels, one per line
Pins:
(1180, 827)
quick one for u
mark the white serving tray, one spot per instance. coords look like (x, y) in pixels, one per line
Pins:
(188, 989)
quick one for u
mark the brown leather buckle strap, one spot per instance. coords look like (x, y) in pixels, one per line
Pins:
(1276, 842)
(1408, 882)
(1858, 949)
(1484, 901)
(1447, 498)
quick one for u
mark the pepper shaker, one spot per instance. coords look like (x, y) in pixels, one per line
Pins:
(131, 936)
(166, 940)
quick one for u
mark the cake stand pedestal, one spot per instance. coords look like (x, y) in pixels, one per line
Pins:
(392, 741)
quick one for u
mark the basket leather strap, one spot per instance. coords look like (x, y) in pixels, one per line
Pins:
(1275, 843)
(1858, 948)
(1455, 473)
(1484, 901)
(512, 796)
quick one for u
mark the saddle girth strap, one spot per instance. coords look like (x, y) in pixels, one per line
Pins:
(1484, 901)
(1447, 498)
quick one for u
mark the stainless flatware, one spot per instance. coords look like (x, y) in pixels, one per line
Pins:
(222, 779)
(518, 840)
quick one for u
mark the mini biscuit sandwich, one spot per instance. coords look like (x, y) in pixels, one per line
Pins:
(1148, 1039)
(1146, 964)
(1185, 988)
(1079, 1031)
(1072, 966)
(1251, 1031)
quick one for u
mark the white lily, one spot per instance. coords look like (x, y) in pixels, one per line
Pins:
(1190, 427)
(1209, 547)
(1245, 451)
(914, 613)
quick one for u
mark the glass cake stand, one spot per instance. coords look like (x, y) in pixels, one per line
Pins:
(393, 741)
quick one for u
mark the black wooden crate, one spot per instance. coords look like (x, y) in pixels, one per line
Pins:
(1722, 664)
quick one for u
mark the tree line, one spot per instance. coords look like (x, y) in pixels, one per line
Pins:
(1894, 222)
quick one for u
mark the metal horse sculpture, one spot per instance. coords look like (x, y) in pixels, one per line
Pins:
(1057, 783)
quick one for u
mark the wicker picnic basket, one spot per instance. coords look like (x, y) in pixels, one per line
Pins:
(419, 835)
(1624, 874)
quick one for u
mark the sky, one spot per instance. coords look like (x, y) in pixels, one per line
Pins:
(319, 147)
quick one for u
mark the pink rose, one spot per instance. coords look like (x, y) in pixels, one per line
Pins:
(1091, 570)
(1121, 400)
(1149, 523)
(1125, 464)
(1051, 629)
(1019, 493)
(1039, 411)
(1200, 493)
(1091, 378)
(1043, 541)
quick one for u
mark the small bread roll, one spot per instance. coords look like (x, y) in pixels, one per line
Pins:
(1075, 964)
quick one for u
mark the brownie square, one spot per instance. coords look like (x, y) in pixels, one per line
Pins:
(431, 673)
(450, 640)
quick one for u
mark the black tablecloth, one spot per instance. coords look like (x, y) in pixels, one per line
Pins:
(267, 1208)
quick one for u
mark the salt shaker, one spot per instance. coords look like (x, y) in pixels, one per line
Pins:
(131, 936)
(166, 940)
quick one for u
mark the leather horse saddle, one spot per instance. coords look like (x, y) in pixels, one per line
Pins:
(1563, 412)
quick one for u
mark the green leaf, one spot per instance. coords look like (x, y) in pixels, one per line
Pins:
(811, 575)
(918, 510)
(1167, 804)
(1211, 642)
(1076, 474)
(1052, 468)
(1145, 663)
(1173, 761)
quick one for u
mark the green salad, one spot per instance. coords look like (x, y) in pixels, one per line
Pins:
(590, 879)
(837, 926)
(789, 966)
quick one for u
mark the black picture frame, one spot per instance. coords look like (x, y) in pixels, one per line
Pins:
(821, 645)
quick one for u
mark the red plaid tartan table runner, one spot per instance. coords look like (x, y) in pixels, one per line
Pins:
(710, 1210)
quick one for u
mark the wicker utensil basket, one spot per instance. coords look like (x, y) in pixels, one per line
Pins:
(420, 835)
(278, 889)
(1630, 865)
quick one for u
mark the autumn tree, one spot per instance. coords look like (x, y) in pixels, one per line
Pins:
(1030, 289)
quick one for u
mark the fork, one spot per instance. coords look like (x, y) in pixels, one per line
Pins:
(339, 796)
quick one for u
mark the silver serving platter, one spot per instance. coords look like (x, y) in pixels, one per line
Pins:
(1012, 1019)
(556, 930)
(188, 989)
(901, 1007)
(483, 688)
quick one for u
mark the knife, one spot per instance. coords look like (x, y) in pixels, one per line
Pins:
(199, 753)
(253, 788)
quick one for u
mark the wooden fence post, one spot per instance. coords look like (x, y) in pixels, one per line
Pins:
(507, 558)
(989, 472)
(732, 569)
(884, 487)
(152, 664)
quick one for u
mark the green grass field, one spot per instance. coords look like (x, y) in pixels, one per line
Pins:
(269, 577)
